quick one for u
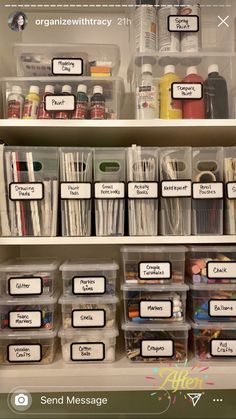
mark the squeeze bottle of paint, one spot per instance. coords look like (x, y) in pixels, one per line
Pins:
(167, 41)
(190, 41)
(31, 105)
(216, 95)
(66, 90)
(147, 95)
(81, 108)
(169, 108)
(98, 108)
(193, 108)
(15, 103)
(43, 114)
(145, 26)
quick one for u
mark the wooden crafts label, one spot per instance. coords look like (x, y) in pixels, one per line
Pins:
(24, 353)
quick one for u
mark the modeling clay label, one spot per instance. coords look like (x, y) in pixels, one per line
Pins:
(226, 347)
(26, 191)
(25, 319)
(150, 309)
(24, 353)
(76, 190)
(25, 286)
(222, 308)
(89, 318)
(176, 188)
(87, 351)
(231, 190)
(143, 190)
(109, 190)
(212, 190)
(221, 270)
(187, 91)
(183, 23)
(60, 103)
(155, 270)
(157, 348)
(67, 66)
(89, 285)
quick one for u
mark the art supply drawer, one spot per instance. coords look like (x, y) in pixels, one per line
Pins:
(154, 303)
(89, 278)
(156, 343)
(153, 264)
(38, 347)
(88, 346)
(88, 312)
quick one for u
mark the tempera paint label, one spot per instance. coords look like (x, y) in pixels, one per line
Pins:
(222, 308)
(25, 286)
(89, 318)
(109, 190)
(157, 309)
(212, 190)
(182, 91)
(24, 353)
(157, 348)
(221, 270)
(88, 351)
(231, 190)
(25, 319)
(176, 188)
(183, 23)
(83, 285)
(76, 190)
(33, 191)
(67, 66)
(154, 270)
(148, 190)
(223, 347)
(60, 103)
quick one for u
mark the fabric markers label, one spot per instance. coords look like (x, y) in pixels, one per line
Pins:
(67, 66)
(157, 348)
(231, 190)
(25, 286)
(223, 347)
(32, 191)
(159, 309)
(89, 318)
(221, 270)
(183, 23)
(76, 190)
(155, 270)
(24, 353)
(87, 351)
(212, 190)
(140, 190)
(176, 188)
(83, 285)
(187, 91)
(222, 308)
(25, 319)
(109, 190)
(59, 103)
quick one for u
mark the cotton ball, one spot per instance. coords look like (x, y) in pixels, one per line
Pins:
(110, 354)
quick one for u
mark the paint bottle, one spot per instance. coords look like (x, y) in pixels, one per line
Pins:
(193, 108)
(167, 41)
(65, 91)
(216, 95)
(169, 108)
(31, 104)
(15, 103)
(147, 95)
(43, 114)
(81, 108)
(98, 108)
(145, 26)
(190, 42)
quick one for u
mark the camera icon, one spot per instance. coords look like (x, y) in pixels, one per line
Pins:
(21, 399)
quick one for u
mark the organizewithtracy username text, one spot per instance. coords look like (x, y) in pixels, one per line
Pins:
(75, 400)
(82, 21)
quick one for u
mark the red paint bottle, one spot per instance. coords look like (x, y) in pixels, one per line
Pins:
(193, 108)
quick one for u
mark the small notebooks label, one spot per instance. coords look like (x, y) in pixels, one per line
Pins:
(176, 188)
(24, 353)
(187, 91)
(157, 348)
(222, 308)
(183, 23)
(88, 285)
(25, 286)
(159, 309)
(32, 191)
(25, 319)
(221, 270)
(231, 190)
(212, 190)
(67, 66)
(59, 103)
(142, 190)
(87, 351)
(223, 347)
(109, 190)
(89, 318)
(76, 190)
(155, 270)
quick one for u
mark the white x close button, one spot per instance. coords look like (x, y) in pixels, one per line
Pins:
(223, 21)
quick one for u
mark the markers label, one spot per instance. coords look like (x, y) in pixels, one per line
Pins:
(88, 351)
(76, 190)
(183, 23)
(83, 285)
(25, 286)
(226, 347)
(231, 190)
(155, 270)
(142, 190)
(221, 270)
(67, 66)
(212, 190)
(222, 308)
(24, 353)
(32, 191)
(157, 348)
(182, 91)
(176, 188)
(109, 190)
(157, 309)
(59, 103)
(25, 319)
(89, 318)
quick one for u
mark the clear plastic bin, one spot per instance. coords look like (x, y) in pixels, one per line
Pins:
(212, 302)
(27, 277)
(89, 277)
(24, 313)
(76, 191)
(207, 203)
(109, 178)
(88, 346)
(28, 347)
(30, 204)
(214, 342)
(153, 264)
(88, 312)
(142, 178)
(230, 189)
(156, 343)
(211, 265)
(176, 191)
(154, 303)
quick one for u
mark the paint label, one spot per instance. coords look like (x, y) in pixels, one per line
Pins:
(155, 270)
(25, 319)
(89, 318)
(183, 23)
(142, 190)
(25, 286)
(221, 270)
(222, 308)
(32, 191)
(226, 347)
(67, 66)
(83, 285)
(88, 351)
(24, 353)
(176, 188)
(157, 309)
(109, 190)
(60, 103)
(76, 190)
(231, 190)
(182, 91)
(212, 190)
(157, 348)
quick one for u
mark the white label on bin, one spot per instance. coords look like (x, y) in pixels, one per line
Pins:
(222, 308)
(212, 190)
(26, 191)
(25, 353)
(187, 91)
(176, 188)
(226, 347)
(89, 285)
(109, 190)
(143, 190)
(231, 190)
(75, 190)
(157, 348)
(60, 103)
(183, 23)
(68, 66)
(155, 270)
(25, 319)
(25, 286)
(221, 270)
(88, 318)
(87, 351)
(150, 309)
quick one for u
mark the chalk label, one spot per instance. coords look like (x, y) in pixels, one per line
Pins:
(226, 347)
(59, 103)
(222, 308)
(25, 319)
(25, 286)
(157, 309)
(157, 348)
(89, 318)
(32, 191)
(76, 190)
(143, 190)
(155, 270)
(183, 23)
(109, 190)
(231, 190)
(182, 91)
(88, 351)
(212, 190)
(176, 188)
(83, 285)
(24, 353)
(221, 270)
(67, 66)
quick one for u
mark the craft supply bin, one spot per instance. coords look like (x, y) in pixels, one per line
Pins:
(142, 178)
(28, 347)
(214, 342)
(88, 312)
(156, 343)
(230, 190)
(22, 277)
(88, 346)
(212, 302)
(89, 277)
(154, 303)
(109, 189)
(153, 264)
(76, 191)
(176, 191)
